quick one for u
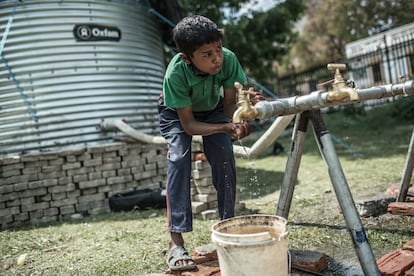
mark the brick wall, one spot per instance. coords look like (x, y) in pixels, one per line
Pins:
(53, 186)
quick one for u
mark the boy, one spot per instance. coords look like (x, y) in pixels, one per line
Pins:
(191, 104)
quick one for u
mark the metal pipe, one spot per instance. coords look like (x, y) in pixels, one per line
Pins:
(267, 138)
(111, 124)
(319, 99)
(344, 196)
(407, 173)
(292, 165)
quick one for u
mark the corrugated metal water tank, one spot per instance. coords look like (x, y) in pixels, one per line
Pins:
(67, 65)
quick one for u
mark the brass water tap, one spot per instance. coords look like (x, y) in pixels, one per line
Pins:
(245, 111)
(340, 91)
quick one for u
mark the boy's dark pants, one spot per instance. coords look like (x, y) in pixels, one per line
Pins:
(218, 149)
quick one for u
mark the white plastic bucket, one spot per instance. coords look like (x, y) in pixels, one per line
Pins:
(252, 245)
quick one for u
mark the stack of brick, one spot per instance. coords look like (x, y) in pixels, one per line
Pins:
(203, 193)
(45, 187)
(398, 262)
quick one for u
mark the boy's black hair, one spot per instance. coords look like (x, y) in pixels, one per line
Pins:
(194, 31)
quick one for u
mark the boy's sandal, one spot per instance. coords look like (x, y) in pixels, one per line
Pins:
(178, 253)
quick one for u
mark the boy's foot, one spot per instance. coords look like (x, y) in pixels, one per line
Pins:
(178, 259)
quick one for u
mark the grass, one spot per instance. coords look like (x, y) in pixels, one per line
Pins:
(134, 243)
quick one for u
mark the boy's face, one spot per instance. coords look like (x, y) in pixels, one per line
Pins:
(208, 58)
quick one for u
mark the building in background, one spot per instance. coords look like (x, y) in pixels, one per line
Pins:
(382, 58)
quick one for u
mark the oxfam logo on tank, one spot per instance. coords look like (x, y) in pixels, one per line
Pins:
(92, 32)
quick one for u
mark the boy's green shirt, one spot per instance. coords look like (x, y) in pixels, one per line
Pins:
(182, 88)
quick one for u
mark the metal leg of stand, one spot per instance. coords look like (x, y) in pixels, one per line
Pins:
(292, 164)
(408, 172)
(344, 196)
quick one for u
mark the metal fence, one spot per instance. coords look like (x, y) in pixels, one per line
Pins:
(384, 64)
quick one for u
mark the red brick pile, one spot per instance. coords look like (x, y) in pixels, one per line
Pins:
(399, 262)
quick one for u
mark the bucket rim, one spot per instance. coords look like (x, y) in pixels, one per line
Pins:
(256, 235)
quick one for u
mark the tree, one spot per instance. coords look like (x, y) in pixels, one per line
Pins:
(258, 38)
(331, 24)
(264, 38)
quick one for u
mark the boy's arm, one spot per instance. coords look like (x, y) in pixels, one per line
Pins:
(230, 101)
(193, 127)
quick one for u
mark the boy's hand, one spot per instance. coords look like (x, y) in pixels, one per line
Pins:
(240, 131)
(254, 96)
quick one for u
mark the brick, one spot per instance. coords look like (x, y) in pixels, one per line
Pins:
(21, 217)
(89, 191)
(94, 175)
(35, 184)
(9, 196)
(309, 260)
(199, 174)
(18, 179)
(80, 171)
(401, 208)
(31, 193)
(27, 200)
(35, 206)
(11, 160)
(80, 178)
(71, 159)
(396, 262)
(108, 167)
(35, 164)
(201, 165)
(114, 147)
(20, 186)
(205, 189)
(205, 197)
(117, 188)
(11, 173)
(119, 179)
(409, 245)
(110, 154)
(150, 167)
(50, 182)
(91, 198)
(12, 203)
(107, 174)
(48, 169)
(47, 198)
(67, 209)
(92, 183)
(58, 196)
(64, 180)
(9, 211)
(72, 151)
(96, 149)
(61, 188)
(198, 207)
(108, 160)
(207, 181)
(52, 175)
(63, 202)
(56, 162)
(51, 212)
(125, 171)
(92, 162)
(73, 194)
(84, 156)
(71, 166)
(5, 219)
(133, 163)
(47, 156)
(4, 189)
(29, 158)
(209, 214)
(33, 170)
